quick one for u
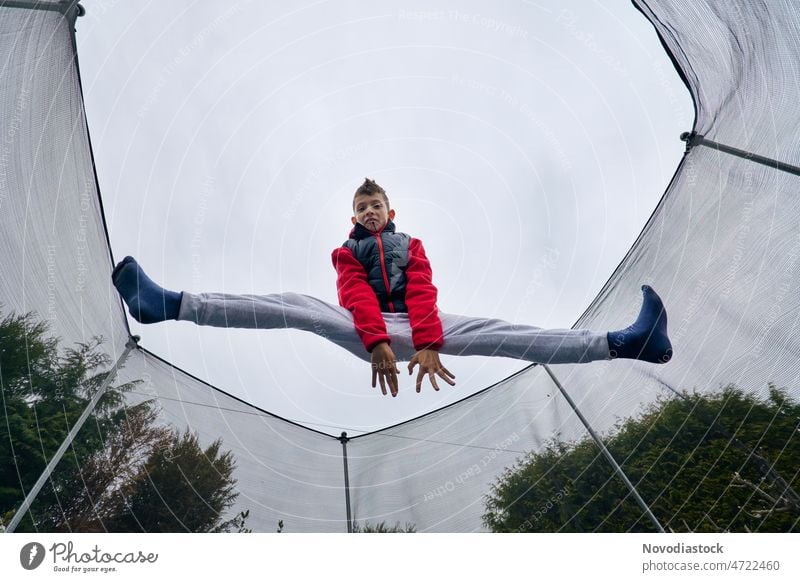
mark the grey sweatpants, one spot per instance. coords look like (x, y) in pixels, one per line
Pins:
(463, 336)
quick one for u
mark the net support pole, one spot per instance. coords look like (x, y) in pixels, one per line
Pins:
(48, 470)
(343, 439)
(694, 139)
(606, 453)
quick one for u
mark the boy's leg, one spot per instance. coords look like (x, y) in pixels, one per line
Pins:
(473, 336)
(646, 339)
(274, 311)
(150, 303)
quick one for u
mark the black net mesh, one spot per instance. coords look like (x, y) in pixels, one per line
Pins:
(721, 247)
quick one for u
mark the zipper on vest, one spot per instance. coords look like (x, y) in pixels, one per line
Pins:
(383, 270)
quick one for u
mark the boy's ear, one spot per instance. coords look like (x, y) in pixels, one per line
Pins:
(353, 220)
(391, 214)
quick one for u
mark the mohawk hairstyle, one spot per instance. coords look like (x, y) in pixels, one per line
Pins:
(368, 188)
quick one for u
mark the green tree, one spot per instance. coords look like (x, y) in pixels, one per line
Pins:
(124, 471)
(43, 393)
(89, 494)
(720, 462)
(180, 488)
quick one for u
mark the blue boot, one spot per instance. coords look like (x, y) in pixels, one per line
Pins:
(147, 302)
(647, 338)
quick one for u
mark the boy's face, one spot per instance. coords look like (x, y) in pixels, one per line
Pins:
(372, 212)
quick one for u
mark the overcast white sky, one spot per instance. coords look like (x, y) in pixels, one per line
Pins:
(525, 143)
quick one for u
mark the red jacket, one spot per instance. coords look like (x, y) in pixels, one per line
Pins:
(410, 286)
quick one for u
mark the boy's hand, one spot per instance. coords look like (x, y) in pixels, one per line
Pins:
(384, 367)
(430, 364)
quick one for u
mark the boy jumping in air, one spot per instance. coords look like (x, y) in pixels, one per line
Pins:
(388, 313)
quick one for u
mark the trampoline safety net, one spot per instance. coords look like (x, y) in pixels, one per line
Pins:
(164, 451)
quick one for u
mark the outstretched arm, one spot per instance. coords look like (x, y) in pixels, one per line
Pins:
(423, 315)
(356, 295)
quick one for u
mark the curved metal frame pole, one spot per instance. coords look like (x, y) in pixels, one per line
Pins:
(48, 470)
(609, 457)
